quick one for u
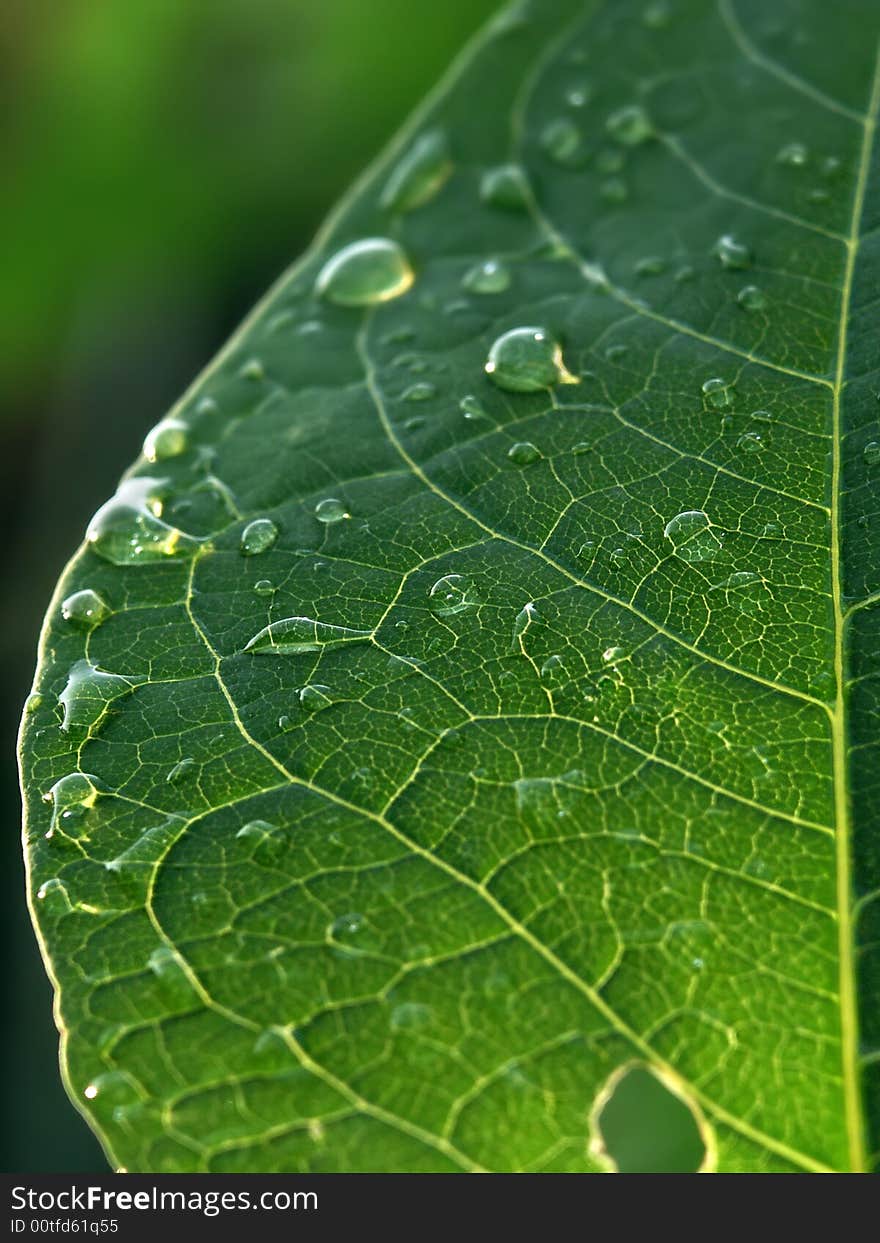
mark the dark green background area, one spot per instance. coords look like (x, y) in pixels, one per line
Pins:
(164, 160)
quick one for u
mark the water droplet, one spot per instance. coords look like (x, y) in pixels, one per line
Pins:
(871, 452)
(128, 529)
(258, 536)
(293, 635)
(693, 538)
(505, 186)
(471, 408)
(526, 360)
(614, 190)
(423, 391)
(794, 154)
(490, 276)
(167, 439)
(731, 253)
(253, 369)
(181, 770)
(71, 797)
(450, 595)
(85, 609)
(87, 694)
(751, 298)
(750, 442)
(630, 125)
(524, 453)
(331, 510)
(684, 273)
(561, 140)
(409, 1015)
(420, 174)
(553, 669)
(526, 617)
(582, 447)
(266, 840)
(169, 970)
(611, 654)
(53, 896)
(718, 393)
(263, 587)
(651, 265)
(316, 697)
(365, 272)
(579, 96)
(206, 406)
(345, 926)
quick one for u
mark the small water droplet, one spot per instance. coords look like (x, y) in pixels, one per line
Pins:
(871, 452)
(471, 408)
(346, 926)
(651, 265)
(731, 253)
(525, 360)
(53, 897)
(693, 538)
(264, 587)
(409, 1015)
(423, 391)
(71, 797)
(579, 96)
(331, 510)
(253, 370)
(614, 190)
(582, 447)
(167, 439)
(293, 635)
(795, 154)
(561, 140)
(363, 273)
(87, 694)
(526, 617)
(490, 276)
(450, 595)
(169, 970)
(505, 186)
(630, 125)
(524, 453)
(420, 174)
(265, 840)
(611, 654)
(315, 697)
(258, 536)
(751, 298)
(553, 669)
(127, 530)
(750, 442)
(718, 393)
(85, 609)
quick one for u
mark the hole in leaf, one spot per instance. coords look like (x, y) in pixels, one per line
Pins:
(643, 1125)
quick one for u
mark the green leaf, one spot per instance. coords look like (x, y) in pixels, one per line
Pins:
(478, 690)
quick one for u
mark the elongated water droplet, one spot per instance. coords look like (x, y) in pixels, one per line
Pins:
(182, 769)
(167, 439)
(505, 186)
(366, 272)
(420, 174)
(128, 529)
(630, 125)
(71, 797)
(85, 609)
(303, 634)
(331, 510)
(491, 276)
(423, 391)
(526, 617)
(526, 360)
(258, 536)
(87, 694)
(450, 595)
(718, 393)
(692, 537)
(524, 453)
(731, 253)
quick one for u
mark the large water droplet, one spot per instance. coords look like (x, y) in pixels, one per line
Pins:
(85, 609)
(491, 276)
(630, 125)
(128, 529)
(293, 635)
(750, 442)
(316, 697)
(731, 253)
(450, 595)
(693, 538)
(718, 393)
(526, 360)
(331, 510)
(71, 797)
(505, 186)
(258, 536)
(369, 271)
(524, 453)
(87, 694)
(751, 298)
(167, 439)
(421, 173)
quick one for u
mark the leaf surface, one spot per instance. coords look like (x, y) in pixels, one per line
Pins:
(477, 691)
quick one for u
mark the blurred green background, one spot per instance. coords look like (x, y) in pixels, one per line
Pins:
(163, 161)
